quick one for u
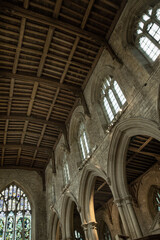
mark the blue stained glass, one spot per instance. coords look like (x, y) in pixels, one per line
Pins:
(14, 191)
(10, 191)
(18, 193)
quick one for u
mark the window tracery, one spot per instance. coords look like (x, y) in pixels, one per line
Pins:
(15, 214)
(148, 33)
(112, 98)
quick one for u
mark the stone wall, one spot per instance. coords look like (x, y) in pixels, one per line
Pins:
(140, 87)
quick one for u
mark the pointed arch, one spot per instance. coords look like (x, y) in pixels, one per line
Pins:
(55, 226)
(15, 213)
(68, 203)
(87, 183)
(118, 147)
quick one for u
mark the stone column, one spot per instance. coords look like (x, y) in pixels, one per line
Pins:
(84, 226)
(90, 230)
(118, 202)
(133, 217)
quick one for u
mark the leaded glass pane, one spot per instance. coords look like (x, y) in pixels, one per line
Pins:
(15, 214)
(148, 33)
(112, 98)
(83, 142)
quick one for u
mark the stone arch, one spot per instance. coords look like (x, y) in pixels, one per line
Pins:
(102, 73)
(118, 147)
(68, 202)
(78, 116)
(54, 224)
(87, 182)
(144, 196)
(117, 168)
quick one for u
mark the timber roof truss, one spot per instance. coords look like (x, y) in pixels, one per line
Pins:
(48, 50)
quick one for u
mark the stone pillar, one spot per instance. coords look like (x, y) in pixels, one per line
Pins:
(133, 217)
(118, 202)
(90, 230)
(84, 226)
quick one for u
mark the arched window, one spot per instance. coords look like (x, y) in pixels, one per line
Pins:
(112, 98)
(78, 235)
(148, 33)
(106, 233)
(83, 142)
(15, 214)
(66, 174)
(156, 199)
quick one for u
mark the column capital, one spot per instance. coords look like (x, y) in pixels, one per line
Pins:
(128, 199)
(91, 225)
(118, 202)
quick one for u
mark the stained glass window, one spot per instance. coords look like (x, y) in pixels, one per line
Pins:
(148, 33)
(15, 214)
(83, 142)
(112, 98)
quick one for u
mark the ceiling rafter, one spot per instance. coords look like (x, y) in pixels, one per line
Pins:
(43, 58)
(30, 78)
(53, 22)
(49, 61)
(136, 150)
(79, 32)
(21, 167)
(24, 146)
(139, 149)
(14, 70)
(31, 134)
(53, 123)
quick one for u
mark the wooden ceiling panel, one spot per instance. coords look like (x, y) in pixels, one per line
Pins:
(143, 152)
(48, 52)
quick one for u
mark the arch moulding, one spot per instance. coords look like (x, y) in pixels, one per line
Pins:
(118, 149)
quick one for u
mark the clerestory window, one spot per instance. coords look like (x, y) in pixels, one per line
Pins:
(15, 214)
(157, 199)
(66, 173)
(83, 142)
(148, 33)
(112, 98)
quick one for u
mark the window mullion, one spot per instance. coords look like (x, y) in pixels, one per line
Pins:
(84, 145)
(117, 97)
(110, 104)
(151, 38)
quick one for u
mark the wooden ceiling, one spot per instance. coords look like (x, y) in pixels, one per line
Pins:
(143, 152)
(102, 193)
(48, 50)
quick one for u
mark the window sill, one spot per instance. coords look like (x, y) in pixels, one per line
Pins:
(116, 118)
(85, 161)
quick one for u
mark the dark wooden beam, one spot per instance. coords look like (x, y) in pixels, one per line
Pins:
(21, 167)
(157, 156)
(56, 124)
(53, 22)
(48, 81)
(139, 149)
(25, 146)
